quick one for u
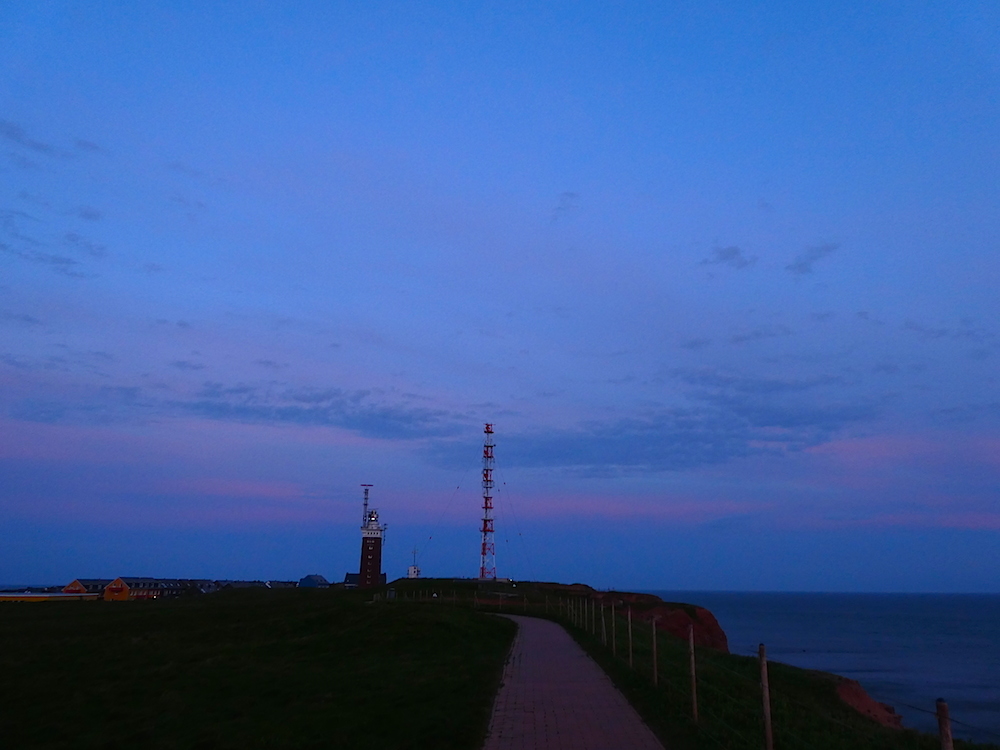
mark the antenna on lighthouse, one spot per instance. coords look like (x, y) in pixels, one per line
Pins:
(364, 516)
(487, 558)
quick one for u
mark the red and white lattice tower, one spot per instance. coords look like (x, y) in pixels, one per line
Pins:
(488, 557)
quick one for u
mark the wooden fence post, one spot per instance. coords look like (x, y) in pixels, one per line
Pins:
(604, 627)
(766, 695)
(694, 679)
(525, 602)
(614, 631)
(656, 671)
(944, 725)
(630, 665)
(546, 604)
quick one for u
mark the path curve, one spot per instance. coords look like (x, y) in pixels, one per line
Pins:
(554, 696)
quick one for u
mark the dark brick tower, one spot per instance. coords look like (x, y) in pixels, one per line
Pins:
(372, 534)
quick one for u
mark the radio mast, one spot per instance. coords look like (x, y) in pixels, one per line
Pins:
(487, 558)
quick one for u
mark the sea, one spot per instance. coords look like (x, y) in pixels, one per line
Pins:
(906, 650)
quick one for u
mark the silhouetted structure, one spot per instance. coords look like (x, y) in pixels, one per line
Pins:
(372, 534)
(488, 550)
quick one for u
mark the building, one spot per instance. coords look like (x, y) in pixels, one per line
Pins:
(87, 586)
(413, 571)
(370, 570)
(129, 589)
(372, 535)
(314, 581)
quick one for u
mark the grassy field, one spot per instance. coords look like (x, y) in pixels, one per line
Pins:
(306, 668)
(254, 668)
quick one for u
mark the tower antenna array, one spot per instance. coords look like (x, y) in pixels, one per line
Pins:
(364, 515)
(487, 559)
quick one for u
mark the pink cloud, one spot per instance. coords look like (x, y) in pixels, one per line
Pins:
(173, 511)
(877, 450)
(161, 443)
(972, 520)
(659, 508)
(243, 488)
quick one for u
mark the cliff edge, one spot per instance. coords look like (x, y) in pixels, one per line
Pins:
(676, 617)
(851, 693)
(673, 617)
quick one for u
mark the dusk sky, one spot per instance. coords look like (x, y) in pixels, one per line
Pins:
(723, 275)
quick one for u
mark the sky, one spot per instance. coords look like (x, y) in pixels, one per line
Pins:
(723, 276)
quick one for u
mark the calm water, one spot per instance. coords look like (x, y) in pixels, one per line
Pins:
(905, 649)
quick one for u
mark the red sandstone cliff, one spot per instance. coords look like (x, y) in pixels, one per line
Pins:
(676, 618)
(855, 696)
(673, 618)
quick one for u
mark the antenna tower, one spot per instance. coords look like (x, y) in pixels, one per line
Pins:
(488, 559)
(364, 515)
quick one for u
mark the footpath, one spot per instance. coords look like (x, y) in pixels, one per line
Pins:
(554, 696)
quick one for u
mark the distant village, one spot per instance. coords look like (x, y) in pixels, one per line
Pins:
(369, 575)
(126, 588)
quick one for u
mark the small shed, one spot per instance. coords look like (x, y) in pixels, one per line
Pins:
(314, 581)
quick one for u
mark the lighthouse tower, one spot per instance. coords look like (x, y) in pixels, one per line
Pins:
(372, 533)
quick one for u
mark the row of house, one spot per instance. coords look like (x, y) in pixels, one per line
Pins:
(127, 589)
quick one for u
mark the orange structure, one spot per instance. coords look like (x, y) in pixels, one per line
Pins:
(87, 586)
(128, 589)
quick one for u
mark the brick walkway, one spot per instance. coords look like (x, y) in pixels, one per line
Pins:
(554, 696)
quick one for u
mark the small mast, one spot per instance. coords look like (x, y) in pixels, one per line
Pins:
(364, 514)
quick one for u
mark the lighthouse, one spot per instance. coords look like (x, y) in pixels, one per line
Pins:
(372, 534)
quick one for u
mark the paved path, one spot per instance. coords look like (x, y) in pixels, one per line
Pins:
(554, 696)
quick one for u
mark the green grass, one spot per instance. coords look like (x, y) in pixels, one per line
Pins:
(806, 712)
(248, 669)
(312, 668)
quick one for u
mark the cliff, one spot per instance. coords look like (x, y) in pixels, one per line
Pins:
(851, 693)
(673, 617)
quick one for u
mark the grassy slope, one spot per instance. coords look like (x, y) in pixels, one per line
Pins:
(247, 669)
(806, 712)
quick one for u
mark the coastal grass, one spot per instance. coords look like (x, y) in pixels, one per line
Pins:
(806, 711)
(253, 668)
